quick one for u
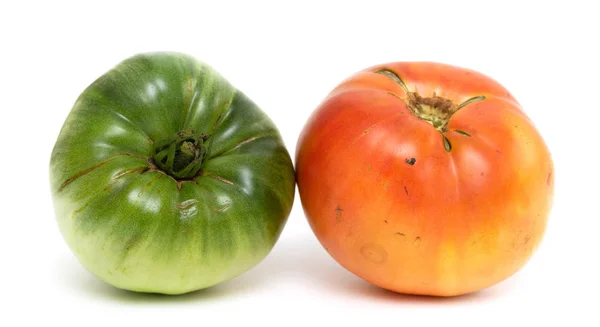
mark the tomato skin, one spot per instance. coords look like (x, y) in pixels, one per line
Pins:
(388, 201)
(134, 225)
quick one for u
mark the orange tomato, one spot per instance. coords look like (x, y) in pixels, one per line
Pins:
(425, 178)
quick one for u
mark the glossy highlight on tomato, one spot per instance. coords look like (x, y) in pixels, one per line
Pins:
(167, 179)
(425, 178)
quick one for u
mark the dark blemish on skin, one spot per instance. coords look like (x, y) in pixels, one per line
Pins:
(549, 179)
(417, 242)
(401, 236)
(338, 214)
(385, 221)
(410, 161)
(405, 190)
(219, 118)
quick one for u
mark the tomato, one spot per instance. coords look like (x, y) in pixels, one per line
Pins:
(425, 178)
(167, 179)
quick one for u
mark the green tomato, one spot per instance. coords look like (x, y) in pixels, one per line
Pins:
(166, 179)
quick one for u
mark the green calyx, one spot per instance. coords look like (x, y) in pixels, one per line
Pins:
(182, 156)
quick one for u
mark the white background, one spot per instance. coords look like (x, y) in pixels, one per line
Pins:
(286, 56)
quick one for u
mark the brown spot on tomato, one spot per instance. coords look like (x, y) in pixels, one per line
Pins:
(417, 242)
(374, 253)
(400, 236)
(549, 179)
(338, 214)
(410, 161)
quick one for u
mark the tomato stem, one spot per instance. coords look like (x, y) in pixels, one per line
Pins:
(435, 110)
(182, 156)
